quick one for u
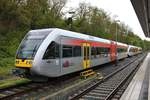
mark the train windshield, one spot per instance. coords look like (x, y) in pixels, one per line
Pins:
(30, 44)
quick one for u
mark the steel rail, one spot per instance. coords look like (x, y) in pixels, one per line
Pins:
(122, 82)
(92, 87)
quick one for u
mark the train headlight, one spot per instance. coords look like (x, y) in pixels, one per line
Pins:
(28, 62)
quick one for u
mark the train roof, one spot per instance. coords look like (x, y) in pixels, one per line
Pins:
(81, 36)
(122, 44)
(72, 34)
(134, 46)
(43, 30)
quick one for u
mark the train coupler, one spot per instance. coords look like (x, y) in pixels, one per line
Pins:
(19, 72)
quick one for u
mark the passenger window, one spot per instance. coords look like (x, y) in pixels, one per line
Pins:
(98, 50)
(67, 51)
(52, 51)
(107, 50)
(93, 52)
(118, 50)
(102, 50)
(76, 51)
(121, 50)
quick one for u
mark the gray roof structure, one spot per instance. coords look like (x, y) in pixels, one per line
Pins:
(142, 9)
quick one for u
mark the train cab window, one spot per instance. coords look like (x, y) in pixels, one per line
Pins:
(131, 49)
(76, 51)
(52, 51)
(67, 51)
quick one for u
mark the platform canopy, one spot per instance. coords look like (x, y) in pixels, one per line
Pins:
(142, 9)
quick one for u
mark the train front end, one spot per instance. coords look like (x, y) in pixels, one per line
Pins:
(26, 52)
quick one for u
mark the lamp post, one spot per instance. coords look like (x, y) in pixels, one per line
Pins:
(116, 30)
(126, 35)
(116, 41)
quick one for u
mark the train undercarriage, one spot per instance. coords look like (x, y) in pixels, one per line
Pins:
(26, 73)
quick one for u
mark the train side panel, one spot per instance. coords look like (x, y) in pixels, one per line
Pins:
(72, 64)
(71, 55)
(121, 51)
(100, 59)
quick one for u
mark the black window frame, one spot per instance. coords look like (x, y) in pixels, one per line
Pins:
(76, 51)
(67, 47)
(121, 50)
(102, 51)
(50, 52)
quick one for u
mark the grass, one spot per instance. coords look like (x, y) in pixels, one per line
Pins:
(6, 66)
(13, 82)
(5, 72)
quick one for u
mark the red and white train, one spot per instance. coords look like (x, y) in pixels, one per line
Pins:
(55, 52)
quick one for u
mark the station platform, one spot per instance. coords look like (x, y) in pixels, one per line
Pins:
(139, 87)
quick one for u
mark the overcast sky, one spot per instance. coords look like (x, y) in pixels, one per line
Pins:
(122, 8)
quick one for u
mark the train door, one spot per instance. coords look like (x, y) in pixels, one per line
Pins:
(86, 55)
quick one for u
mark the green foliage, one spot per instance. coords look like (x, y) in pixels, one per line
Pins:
(17, 17)
(13, 82)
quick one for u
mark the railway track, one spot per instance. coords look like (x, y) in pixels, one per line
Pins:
(8, 93)
(63, 94)
(18, 92)
(25, 90)
(111, 87)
